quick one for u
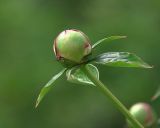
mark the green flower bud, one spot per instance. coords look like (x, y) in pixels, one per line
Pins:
(72, 45)
(144, 113)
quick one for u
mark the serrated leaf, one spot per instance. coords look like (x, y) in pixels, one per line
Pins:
(108, 39)
(48, 86)
(77, 76)
(156, 95)
(121, 59)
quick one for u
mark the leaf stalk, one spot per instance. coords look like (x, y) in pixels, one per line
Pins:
(111, 97)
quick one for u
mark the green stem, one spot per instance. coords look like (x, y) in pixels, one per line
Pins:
(112, 98)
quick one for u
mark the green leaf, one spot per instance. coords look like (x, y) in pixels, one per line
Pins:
(108, 39)
(48, 86)
(77, 76)
(121, 59)
(156, 95)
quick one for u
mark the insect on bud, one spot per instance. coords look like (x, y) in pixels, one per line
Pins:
(144, 113)
(72, 45)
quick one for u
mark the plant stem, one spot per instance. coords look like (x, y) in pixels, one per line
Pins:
(111, 97)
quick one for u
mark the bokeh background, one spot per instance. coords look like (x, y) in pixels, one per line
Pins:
(27, 62)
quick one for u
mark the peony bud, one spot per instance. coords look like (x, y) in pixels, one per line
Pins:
(72, 45)
(144, 113)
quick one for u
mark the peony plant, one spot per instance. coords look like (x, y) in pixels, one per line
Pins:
(73, 50)
(144, 113)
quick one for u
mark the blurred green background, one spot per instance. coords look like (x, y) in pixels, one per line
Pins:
(27, 62)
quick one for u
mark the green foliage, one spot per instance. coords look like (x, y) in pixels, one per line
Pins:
(27, 29)
(108, 39)
(48, 86)
(77, 76)
(120, 59)
(88, 74)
